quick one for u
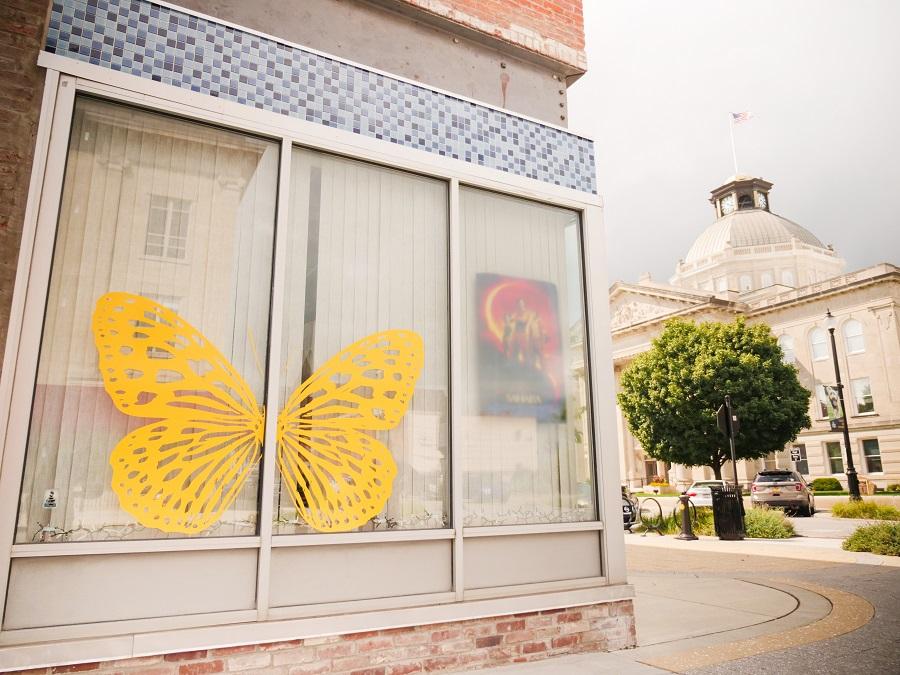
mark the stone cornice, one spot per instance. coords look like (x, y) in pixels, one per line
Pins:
(831, 288)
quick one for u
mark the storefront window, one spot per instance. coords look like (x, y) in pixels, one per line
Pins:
(526, 446)
(181, 215)
(366, 252)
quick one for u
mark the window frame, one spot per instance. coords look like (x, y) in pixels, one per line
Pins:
(818, 330)
(856, 399)
(829, 459)
(857, 336)
(865, 457)
(66, 78)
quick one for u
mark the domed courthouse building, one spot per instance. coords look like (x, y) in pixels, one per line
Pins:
(756, 264)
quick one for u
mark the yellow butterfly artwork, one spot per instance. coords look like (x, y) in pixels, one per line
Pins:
(180, 472)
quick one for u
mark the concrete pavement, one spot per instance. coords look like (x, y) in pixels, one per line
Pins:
(734, 607)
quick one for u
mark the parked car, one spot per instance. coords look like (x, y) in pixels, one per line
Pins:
(784, 488)
(629, 509)
(700, 492)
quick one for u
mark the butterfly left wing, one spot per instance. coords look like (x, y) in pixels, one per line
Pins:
(178, 474)
(338, 476)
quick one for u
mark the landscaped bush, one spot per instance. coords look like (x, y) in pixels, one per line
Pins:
(866, 510)
(881, 538)
(702, 525)
(893, 487)
(826, 485)
(761, 522)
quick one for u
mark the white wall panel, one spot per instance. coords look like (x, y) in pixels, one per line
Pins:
(510, 560)
(317, 574)
(51, 591)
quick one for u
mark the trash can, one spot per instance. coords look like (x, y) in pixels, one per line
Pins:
(728, 511)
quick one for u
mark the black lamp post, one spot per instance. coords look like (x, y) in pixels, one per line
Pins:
(852, 480)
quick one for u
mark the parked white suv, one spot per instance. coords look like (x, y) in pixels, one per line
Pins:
(701, 491)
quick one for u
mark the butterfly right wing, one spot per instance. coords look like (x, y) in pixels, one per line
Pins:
(338, 476)
(178, 474)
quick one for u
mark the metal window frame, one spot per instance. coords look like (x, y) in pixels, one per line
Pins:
(65, 78)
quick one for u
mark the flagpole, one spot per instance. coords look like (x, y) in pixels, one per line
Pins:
(733, 151)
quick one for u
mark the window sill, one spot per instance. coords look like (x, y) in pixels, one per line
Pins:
(866, 414)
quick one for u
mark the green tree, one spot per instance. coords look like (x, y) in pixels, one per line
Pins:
(670, 394)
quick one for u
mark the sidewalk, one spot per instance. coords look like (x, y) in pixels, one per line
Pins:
(803, 548)
(688, 621)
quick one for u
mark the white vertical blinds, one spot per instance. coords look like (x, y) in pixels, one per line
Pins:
(522, 464)
(180, 213)
(183, 214)
(367, 251)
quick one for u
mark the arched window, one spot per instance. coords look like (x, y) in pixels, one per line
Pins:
(786, 342)
(818, 344)
(787, 278)
(854, 341)
(746, 283)
(766, 280)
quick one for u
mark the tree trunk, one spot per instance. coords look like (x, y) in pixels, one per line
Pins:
(717, 471)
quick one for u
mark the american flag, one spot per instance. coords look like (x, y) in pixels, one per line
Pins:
(739, 117)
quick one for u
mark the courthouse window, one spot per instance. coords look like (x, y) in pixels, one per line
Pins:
(786, 342)
(835, 457)
(133, 179)
(854, 339)
(526, 445)
(818, 344)
(862, 395)
(167, 227)
(872, 455)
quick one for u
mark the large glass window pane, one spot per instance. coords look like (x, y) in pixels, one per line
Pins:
(183, 215)
(367, 252)
(526, 445)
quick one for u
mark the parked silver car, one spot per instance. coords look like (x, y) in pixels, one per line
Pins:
(784, 488)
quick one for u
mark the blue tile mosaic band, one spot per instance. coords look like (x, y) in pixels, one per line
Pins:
(178, 48)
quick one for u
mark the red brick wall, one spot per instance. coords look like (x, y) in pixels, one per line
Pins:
(553, 28)
(21, 86)
(478, 643)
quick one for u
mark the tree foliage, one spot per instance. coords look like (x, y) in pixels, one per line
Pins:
(669, 394)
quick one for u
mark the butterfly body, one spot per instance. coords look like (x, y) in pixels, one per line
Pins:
(180, 472)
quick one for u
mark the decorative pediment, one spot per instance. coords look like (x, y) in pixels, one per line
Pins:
(629, 307)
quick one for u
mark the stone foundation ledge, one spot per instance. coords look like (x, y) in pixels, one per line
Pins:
(472, 644)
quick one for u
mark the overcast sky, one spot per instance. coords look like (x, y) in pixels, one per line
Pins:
(822, 78)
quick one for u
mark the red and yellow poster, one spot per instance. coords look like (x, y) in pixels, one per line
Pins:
(520, 370)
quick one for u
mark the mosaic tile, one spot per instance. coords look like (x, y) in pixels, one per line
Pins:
(191, 52)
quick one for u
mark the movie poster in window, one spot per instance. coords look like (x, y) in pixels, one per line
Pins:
(520, 371)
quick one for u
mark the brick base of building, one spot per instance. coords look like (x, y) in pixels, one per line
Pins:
(473, 644)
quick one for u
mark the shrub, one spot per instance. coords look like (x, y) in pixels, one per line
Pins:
(893, 487)
(702, 525)
(762, 522)
(865, 510)
(881, 538)
(826, 485)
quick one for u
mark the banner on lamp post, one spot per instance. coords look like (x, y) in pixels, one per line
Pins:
(835, 413)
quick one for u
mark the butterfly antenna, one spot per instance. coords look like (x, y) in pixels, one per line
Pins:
(256, 359)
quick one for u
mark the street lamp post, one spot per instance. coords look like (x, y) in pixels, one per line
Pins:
(852, 480)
